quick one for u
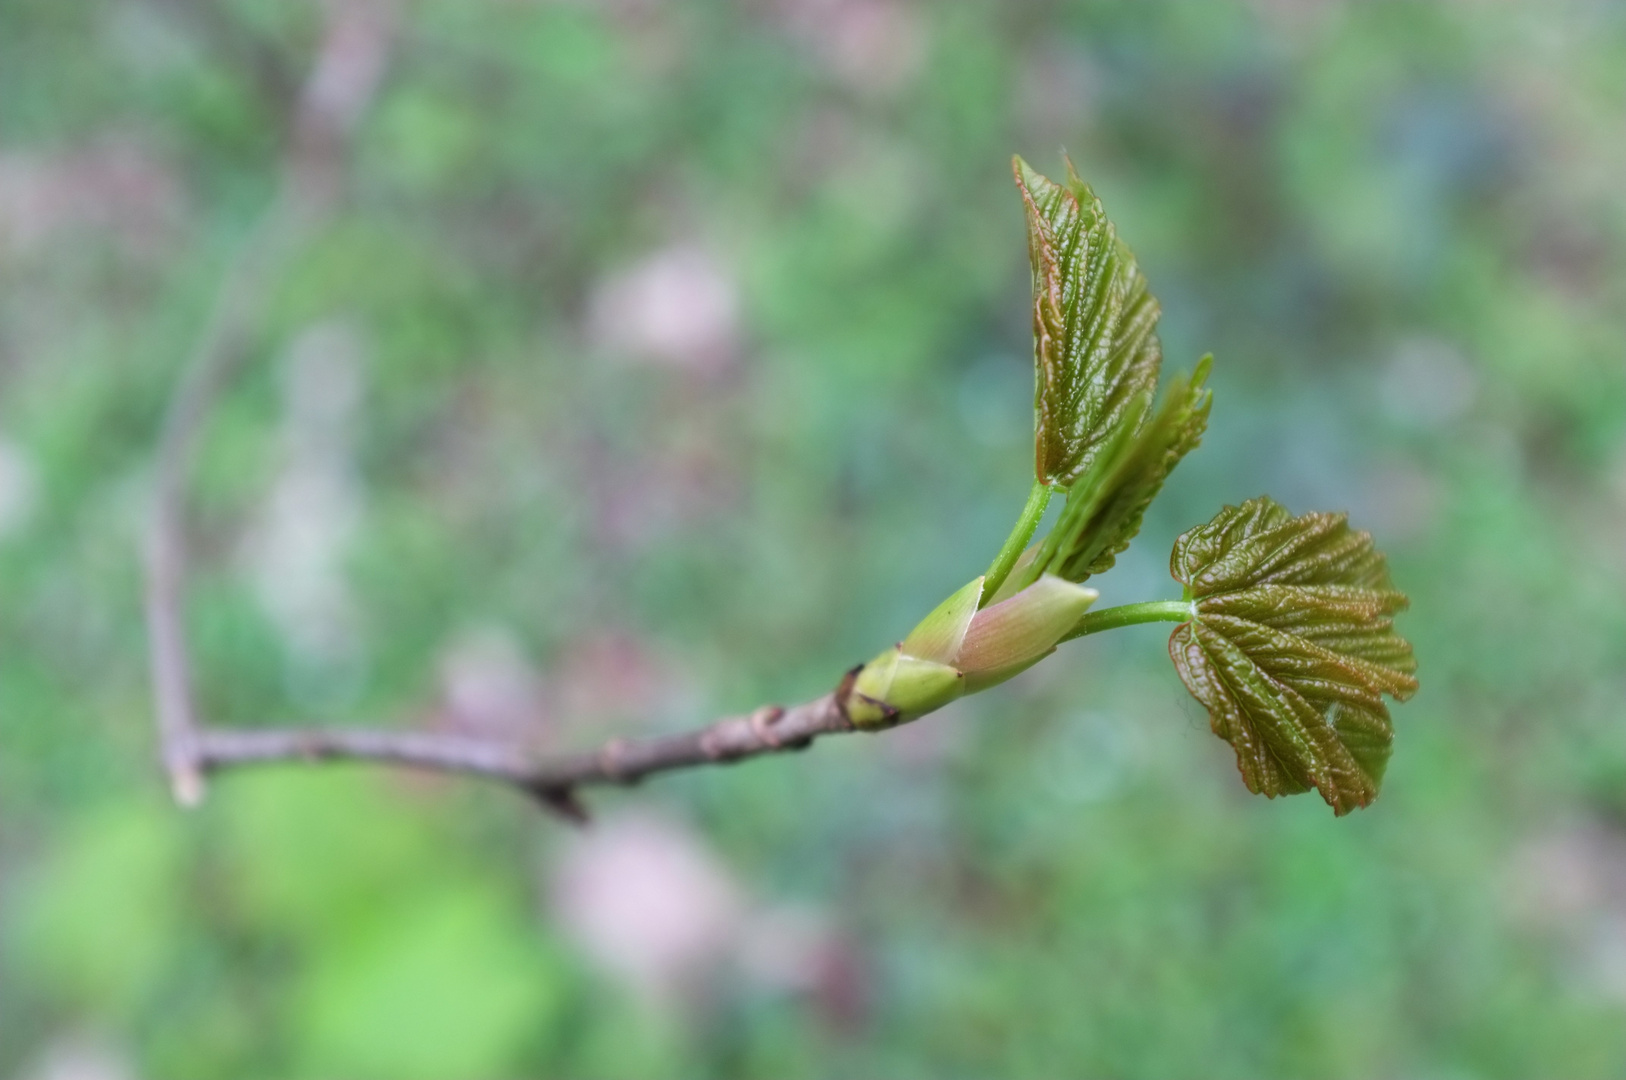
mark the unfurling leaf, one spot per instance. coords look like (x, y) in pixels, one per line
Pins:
(1094, 327)
(1172, 434)
(1291, 648)
(1105, 506)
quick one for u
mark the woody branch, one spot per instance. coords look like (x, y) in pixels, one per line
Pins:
(342, 83)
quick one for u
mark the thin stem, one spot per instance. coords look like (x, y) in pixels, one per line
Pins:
(1017, 542)
(1129, 614)
(768, 730)
(355, 41)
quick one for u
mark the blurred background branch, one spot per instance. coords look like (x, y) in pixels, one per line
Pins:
(342, 82)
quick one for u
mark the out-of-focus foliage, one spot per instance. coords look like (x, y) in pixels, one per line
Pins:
(1291, 647)
(667, 357)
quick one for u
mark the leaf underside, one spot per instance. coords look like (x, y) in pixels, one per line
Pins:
(1292, 648)
(1094, 327)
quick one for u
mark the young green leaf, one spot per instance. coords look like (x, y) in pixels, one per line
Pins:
(1105, 507)
(1094, 327)
(1291, 647)
(1179, 428)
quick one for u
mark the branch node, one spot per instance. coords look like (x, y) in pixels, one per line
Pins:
(762, 721)
(609, 761)
(844, 690)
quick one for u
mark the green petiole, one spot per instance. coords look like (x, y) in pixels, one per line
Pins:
(1129, 614)
(1017, 541)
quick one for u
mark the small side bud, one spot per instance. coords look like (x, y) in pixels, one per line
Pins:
(866, 703)
(895, 688)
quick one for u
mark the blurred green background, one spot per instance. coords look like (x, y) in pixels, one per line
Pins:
(664, 357)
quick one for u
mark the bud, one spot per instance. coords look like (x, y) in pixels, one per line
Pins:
(916, 675)
(894, 689)
(940, 634)
(958, 649)
(1011, 636)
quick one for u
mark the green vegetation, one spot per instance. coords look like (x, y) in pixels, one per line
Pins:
(451, 489)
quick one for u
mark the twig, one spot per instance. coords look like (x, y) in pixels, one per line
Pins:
(769, 730)
(341, 82)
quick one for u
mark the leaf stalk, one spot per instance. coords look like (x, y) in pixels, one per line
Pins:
(1017, 541)
(1129, 614)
